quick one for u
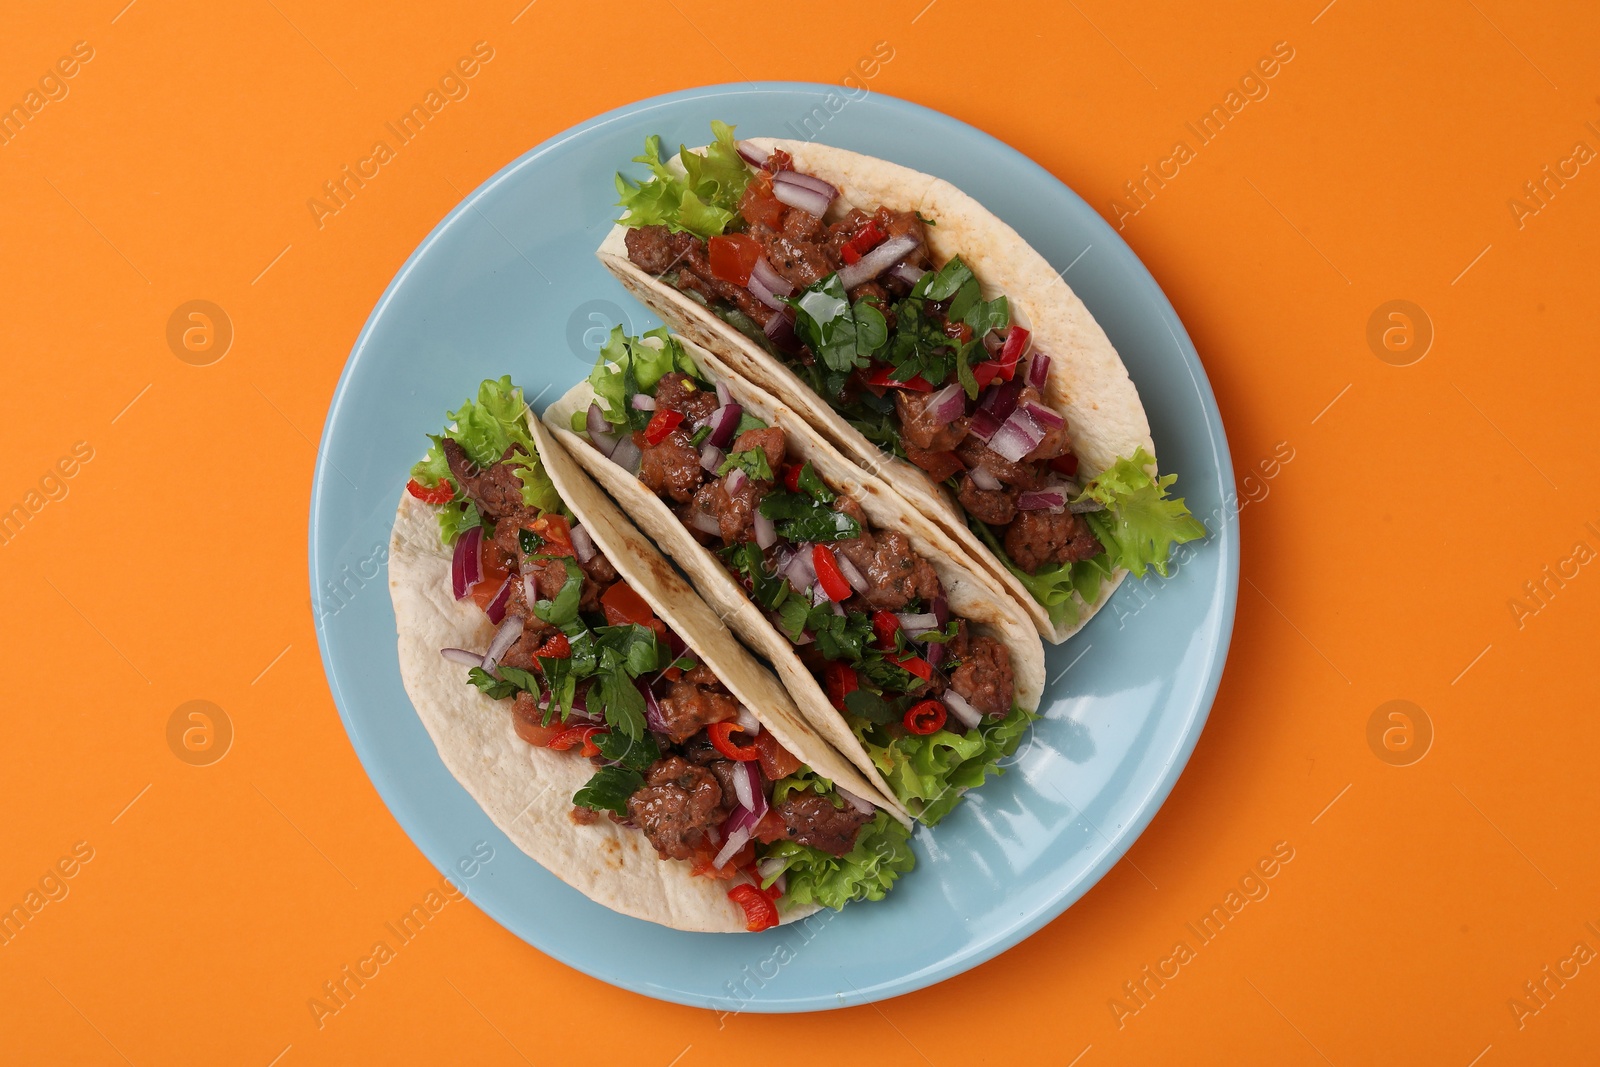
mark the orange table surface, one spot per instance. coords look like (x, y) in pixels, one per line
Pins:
(1385, 254)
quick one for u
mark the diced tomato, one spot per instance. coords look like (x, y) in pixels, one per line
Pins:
(916, 665)
(663, 422)
(442, 493)
(760, 913)
(672, 674)
(720, 732)
(778, 160)
(1016, 343)
(701, 861)
(776, 761)
(733, 257)
(924, 718)
(758, 205)
(532, 728)
(623, 605)
(494, 574)
(558, 647)
(770, 828)
(840, 680)
(829, 576)
(885, 624)
(1066, 463)
(578, 735)
(880, 377)
(865, 240)
(939, 465)
(555, 533)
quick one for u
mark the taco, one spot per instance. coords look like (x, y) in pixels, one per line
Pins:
(908, 661)
(925, 339)
(598, 710)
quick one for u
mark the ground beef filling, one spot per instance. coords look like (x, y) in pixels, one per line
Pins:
(804, 249)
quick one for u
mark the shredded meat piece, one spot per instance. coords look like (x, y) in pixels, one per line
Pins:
(1038, 538)
(895, 573)
(656, 249)
(671, 468)
(496, 490)
(677, 805)
(813, 820)
(993, 506)
(771, 441)
(920, 426)
(985, 677)
(688, 708)
(678, 392)
(1054, 442)
(534, 634)
(798, 251)
(974, 453)
(733, 513)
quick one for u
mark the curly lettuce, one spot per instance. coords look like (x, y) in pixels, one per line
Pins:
(929, 773)
(1138, 528)
(881, 854)
(702, 200)
(485, 428)
(628, 366)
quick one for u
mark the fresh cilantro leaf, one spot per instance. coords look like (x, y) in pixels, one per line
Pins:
(949, 279)
(637, 648)
(622, 701)
(564, 608)
(494, 688)
(768, 590)
(752, 461)
(530, 542)
(811, 483)
(865, 704)
(842, 337)
(748, 422)
(799, 517)
(609, 790)
(634, 754)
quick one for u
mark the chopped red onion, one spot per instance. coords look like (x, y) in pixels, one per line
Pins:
(627, 455)
(723, 396)
(765, 529)
(940, 609)
(876, 261)
(915, 625)
(800, 571)
(748, 722)
(798, 196)
(736, 480)
(861, 804)
(780, 331)
(957, 705)
(1043, 417)
(1041, 500)
(652, 711)
(752, 154)
(736, 841)
(1039, 371)
(724, 421)
(711, 456)
(1017, 436)
(1001, 398)
(857, 580)
(497, 603)
(466, 565)
(819, 595)
(582, 543)
(504, 638)
(530, 588)
(643, 402)
(742, 790)
(806, 181)
(907, 273)
(993, 343)
(462, 656)
(948, 404)
(705, 523)
(600, 434)
(752, 774)
(768, 285)
(934, 653)
(983, 478)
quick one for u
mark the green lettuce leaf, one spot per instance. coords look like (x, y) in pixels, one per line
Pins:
(881, 854)
(928, 773)
(703, 200)
(626, 367)
(1140, 524)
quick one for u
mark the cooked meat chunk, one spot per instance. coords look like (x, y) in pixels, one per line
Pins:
(678, 392)
(678, 804)
(731, 512)
(656, 249)
(1054, 442)
(599, 570)
(688, 708)
(895, 573)
(534, 634)
(695, 276)
(974, 453)
(1038, 538)
(813, 820)
(496, 490)
(993, 506)
(770, 441)
(798, 251)
(920, 426)
(984, 677)
(671, 468)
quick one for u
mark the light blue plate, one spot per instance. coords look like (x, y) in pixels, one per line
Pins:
(508, 283)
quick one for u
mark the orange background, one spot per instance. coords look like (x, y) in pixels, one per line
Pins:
(1380, 562)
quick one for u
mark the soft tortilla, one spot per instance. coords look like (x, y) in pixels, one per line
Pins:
(971, 594)
(527, 791)
(1087, 383)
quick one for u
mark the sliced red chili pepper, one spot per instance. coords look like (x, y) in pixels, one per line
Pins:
(1066, 463)
(985, 372)
(577, 735)
(880, 377)
(916, 665)
(924, 718)
(865, 240)
(558, 647)
(829, 576)
(733, 256)
(663, 422)
(442, 493)
(760, 913)
(719, 733)
(791, 476)
(1016, 341)
(841, 680)
(885, 624)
